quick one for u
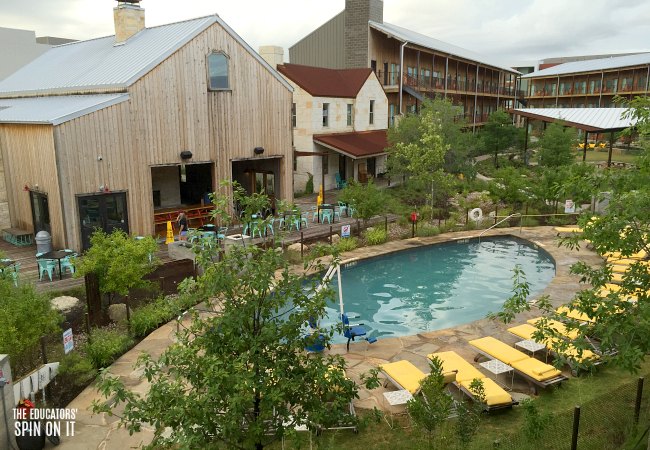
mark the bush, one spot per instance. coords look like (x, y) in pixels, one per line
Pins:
(426, 230)
(347, 244)
(375, 236)
(147, 318)
(309, 186)
(106, 345)
(76, 368)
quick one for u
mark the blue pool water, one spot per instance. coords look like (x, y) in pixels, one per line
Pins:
(438, 286)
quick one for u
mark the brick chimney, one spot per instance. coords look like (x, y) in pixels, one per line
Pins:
(129, 20)
(357, 15)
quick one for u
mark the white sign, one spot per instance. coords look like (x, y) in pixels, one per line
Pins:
(569, 207)
(68, 343)
(345, 231)
(35, 381)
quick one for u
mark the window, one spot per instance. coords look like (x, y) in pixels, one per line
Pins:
(293, 115)
(372, 112)
(218, 71)
(326, 114)
(391, 115)
(350, 114)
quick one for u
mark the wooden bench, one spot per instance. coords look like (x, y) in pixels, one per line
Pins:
(17, 236)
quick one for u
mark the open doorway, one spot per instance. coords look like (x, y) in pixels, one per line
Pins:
(181, 186)
(259, 176)
(40, 211)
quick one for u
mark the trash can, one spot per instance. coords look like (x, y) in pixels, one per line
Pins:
(43, 242)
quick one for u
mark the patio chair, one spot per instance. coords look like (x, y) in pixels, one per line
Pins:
(347, 422)
(14, 273)
(343, 207)
(340, 182)
(326, 214)
(351, 331)
(221, 233)
(66, 263)
(532, 370)
(461, 373)
(46, 266)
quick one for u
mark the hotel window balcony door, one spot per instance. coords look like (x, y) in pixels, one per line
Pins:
(106, 212)
(40, 211)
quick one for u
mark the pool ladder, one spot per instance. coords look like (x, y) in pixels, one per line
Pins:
(500, 221)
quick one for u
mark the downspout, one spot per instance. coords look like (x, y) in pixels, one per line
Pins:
(401, 74)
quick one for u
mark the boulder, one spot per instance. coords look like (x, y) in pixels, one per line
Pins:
(335, 238)
(296, 248)
(117, 313)
(65, 304)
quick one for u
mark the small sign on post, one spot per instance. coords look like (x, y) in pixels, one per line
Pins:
(569, 207)
(68, 343)
(345, 231)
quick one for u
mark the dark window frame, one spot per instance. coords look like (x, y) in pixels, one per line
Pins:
(209, 74)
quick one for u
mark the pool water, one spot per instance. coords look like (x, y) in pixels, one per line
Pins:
(437, 286)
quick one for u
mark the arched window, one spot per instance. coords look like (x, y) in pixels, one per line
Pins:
(218, 71)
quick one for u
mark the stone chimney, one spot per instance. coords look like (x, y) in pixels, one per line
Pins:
(129, 20)
(357, 15)
(272, 54)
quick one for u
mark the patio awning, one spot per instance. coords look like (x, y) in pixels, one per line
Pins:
(592, 120)
(356, 145)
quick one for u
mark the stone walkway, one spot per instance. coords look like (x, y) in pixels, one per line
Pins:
(101, 431)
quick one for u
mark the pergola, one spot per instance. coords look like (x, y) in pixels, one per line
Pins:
(590, 120)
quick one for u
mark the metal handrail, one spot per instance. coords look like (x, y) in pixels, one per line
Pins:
(500, 221)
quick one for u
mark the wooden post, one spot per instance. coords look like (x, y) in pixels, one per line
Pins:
(496, 213)
(526, 142)
(87, 324)
(386, 224)
(43, 350)
(330, 234)
(584, 149)
(611, 148)
(128, 311)
(576, 428)
(637, 404)
(302, 237)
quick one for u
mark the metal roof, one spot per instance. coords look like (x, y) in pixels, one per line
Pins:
(589, 119)
(100, 65)
(593, 65)
(54, 110)
(356, 144)
(402, 34)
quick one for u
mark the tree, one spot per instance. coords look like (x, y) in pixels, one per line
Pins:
(556, 146)
(239, 375)
(620, 322)
(432, 407)
(498, 133)
(119, 261)
(368, 200)
(418, 149)
(25, 316)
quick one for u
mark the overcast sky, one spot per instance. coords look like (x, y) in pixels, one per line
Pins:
(511, 30)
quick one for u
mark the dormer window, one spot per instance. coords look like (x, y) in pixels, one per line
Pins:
(218, 71)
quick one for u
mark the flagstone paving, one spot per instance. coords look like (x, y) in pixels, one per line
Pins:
(101, 431)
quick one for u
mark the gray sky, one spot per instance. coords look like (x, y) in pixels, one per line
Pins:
(511, 30)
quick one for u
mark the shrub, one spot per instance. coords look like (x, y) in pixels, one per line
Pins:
(106, 345)
(149, 317)
(426, 230)
(309, 186)
(76, 368)
(347, 244)
(375, 236)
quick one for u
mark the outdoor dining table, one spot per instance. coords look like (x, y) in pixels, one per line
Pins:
(289, 216)
(58, 255)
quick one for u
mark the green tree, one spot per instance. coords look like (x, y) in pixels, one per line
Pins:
(239, 376)
(432, 407)
(119, 261)
(556, 146)
(25, 316)
(498, 133)
(367, 199)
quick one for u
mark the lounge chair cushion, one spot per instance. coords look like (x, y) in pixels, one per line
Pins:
(452, 361)
(524, 331)
(574, 314)
(536, 369)
(557, 326)
(405, 374)
(499, 350)
(494, 394)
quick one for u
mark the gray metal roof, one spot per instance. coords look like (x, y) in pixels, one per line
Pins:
(413, 37)
(591, 119)
(593, 65)
(98, 65)
(54, 110)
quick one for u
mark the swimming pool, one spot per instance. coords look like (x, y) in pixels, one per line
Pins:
(437, 286)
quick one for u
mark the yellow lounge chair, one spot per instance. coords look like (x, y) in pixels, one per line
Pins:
(573, 314)
(568, 229)
(592, 146)
(526, 331)
(533, 370)
(495, 396)
(404, 375)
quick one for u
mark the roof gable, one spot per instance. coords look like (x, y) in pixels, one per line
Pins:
(320, 82)
(99, 65)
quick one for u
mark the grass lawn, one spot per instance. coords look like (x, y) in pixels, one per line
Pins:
(607, 407)
(618, 155)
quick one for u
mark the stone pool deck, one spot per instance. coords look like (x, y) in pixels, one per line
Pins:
(101, 431)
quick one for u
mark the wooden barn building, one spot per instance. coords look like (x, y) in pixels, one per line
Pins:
(123, 131)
